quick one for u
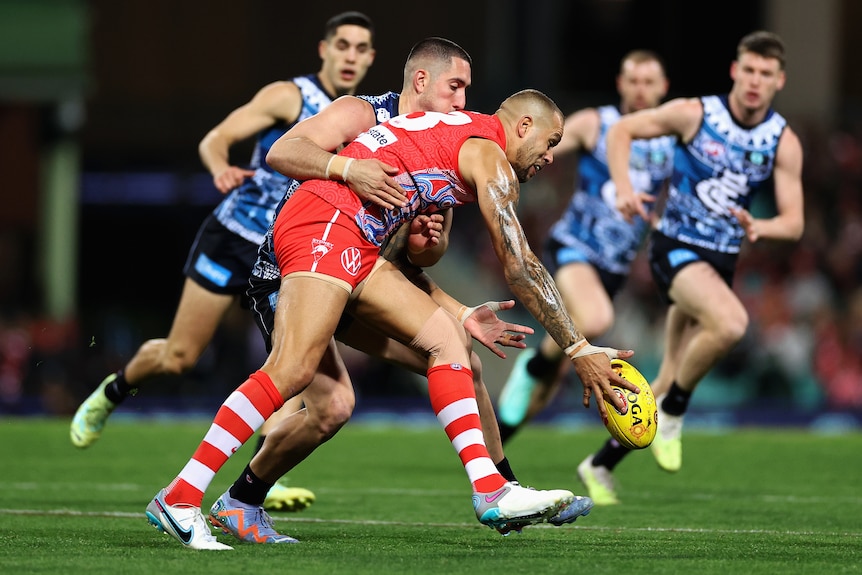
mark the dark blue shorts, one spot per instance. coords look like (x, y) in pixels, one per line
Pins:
(668, 256)
(220, 261)
(555, 255)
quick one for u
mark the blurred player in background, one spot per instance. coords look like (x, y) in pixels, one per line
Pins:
(590, 249)
(730, 148)
(225, 249)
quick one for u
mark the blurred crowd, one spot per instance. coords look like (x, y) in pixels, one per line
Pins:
(803, 347)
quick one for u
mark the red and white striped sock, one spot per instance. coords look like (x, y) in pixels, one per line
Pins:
(237, 419)
(454, 402)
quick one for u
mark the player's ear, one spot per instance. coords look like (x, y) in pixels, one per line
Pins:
(321, 48)
(782, 78)
(420, 80)
(524, 125)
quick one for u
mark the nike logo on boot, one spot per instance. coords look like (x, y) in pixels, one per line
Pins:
(185, 535)
(495, 496)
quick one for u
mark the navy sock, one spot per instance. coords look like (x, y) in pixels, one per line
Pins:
(541, 367)
(676, 400)
(505, 470)
(610, 454)
(507, 431)
(249, 488)
(119, 389)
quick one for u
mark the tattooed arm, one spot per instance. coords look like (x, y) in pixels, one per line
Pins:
(483, 164)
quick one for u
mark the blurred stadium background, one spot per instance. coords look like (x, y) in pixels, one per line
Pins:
(103, 103)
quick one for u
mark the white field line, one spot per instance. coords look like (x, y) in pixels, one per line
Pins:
(96, 487)
(420, 524)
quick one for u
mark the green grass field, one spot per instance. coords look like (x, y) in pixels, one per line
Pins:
(396, 500)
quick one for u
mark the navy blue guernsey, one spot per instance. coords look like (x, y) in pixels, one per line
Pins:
(248, 209)
(591, 225)
(723, 166)
(385, 105)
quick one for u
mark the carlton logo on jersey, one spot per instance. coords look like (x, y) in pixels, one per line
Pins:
(720, 194)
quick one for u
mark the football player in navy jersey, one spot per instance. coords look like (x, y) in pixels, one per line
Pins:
(591, 247)
(729, 148)
(225, 249)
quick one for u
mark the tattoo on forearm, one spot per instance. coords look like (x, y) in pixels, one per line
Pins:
(528, 279)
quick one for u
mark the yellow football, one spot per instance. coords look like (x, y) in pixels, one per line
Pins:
(635, 425)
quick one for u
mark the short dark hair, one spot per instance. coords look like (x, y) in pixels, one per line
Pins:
(439, 49)
(641, 56)
(350, 18)
(533, 97)
(763, 43)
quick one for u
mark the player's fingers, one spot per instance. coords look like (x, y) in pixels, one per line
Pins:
(603, 409)
(512, 340)
(641, 211)
(496, 350)
(389, 169)
(644, 197)
(516, 327)
(619, 381)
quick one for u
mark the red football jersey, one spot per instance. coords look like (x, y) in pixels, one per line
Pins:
(424, 146)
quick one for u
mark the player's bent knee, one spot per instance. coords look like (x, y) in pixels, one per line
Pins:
(597, 326)
(341, 406)
(444, 338)
(734, 328)
(328, 424)
(290, 380)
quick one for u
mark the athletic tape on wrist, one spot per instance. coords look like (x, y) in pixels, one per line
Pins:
(346, 169)
(582, 347)
(464, 312)
(329, 165)
(332, 171)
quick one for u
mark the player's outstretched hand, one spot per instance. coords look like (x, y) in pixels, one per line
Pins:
(372, 181)
(483, 324)
(593, 366)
